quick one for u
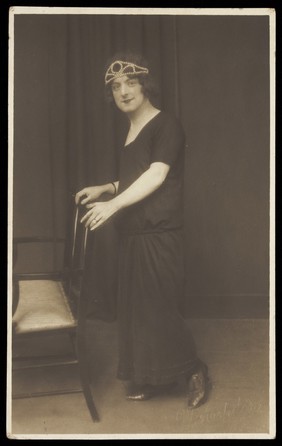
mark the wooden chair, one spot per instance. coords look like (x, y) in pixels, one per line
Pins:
(53, 304)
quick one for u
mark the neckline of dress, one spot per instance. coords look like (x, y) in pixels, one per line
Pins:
(140, 131)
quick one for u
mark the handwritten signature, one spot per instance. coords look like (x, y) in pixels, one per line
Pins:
(227, 410)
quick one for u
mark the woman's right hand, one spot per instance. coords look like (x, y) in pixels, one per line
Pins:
(90, 194)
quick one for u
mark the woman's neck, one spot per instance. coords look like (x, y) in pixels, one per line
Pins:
(142, 115)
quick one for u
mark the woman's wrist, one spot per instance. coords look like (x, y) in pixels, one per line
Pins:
(114, 188)
(110, 188)
(105, 188)
(117, 203)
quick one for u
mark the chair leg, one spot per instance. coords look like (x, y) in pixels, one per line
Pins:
(84, 371)
(87, 391)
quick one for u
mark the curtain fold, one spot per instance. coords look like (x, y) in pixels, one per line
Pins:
(96, 129)
(213, 73)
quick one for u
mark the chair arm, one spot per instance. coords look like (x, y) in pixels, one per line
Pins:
(28, 276)
(15, 295)
(39, 239)
(52, 275)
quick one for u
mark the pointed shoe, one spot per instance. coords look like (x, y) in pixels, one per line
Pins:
(146, 392)
(198, 386)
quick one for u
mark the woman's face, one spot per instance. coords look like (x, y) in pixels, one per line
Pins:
(127, 93)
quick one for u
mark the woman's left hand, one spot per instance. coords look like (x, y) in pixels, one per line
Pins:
(98, 214)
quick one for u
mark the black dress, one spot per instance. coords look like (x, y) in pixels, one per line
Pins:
(155, 346)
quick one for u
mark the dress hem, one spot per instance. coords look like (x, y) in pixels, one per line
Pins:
(159, 379)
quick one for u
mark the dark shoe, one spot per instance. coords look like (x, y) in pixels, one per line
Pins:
(147, 391)
(198, 387)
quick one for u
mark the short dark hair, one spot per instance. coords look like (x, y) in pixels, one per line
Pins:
(149, 86)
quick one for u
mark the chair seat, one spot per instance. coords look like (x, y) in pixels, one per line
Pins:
(43, 306)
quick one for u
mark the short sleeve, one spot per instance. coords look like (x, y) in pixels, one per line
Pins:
(168, 141)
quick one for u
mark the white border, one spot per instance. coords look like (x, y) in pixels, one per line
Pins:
(140, 436)
(272, 349)
(146, 11)
(10, 218)
(151, 11)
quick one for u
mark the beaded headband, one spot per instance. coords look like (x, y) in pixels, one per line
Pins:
(120, 68)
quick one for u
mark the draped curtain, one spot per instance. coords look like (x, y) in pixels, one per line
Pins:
(213, 73)
(94, 127)
(85, 133)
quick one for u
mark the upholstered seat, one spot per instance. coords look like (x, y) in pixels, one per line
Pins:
(43, 306)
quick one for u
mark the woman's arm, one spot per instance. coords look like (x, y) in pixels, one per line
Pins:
(144, 186)
(91, 193)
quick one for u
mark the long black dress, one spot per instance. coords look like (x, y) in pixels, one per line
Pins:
(155, 346)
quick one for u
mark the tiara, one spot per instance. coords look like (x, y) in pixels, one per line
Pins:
(120, 68)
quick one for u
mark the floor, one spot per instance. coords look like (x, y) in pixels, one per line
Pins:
(237, 353)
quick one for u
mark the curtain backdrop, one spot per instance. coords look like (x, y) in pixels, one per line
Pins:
(95, 129)
(213, 73)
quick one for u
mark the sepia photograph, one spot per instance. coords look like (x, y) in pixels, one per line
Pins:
(141, 219)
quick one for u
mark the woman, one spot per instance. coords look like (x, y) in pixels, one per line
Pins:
(155, 347)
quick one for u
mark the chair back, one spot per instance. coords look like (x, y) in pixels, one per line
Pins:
(71, 273)
(75, 258)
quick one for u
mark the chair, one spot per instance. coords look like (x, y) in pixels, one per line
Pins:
(47, 304)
